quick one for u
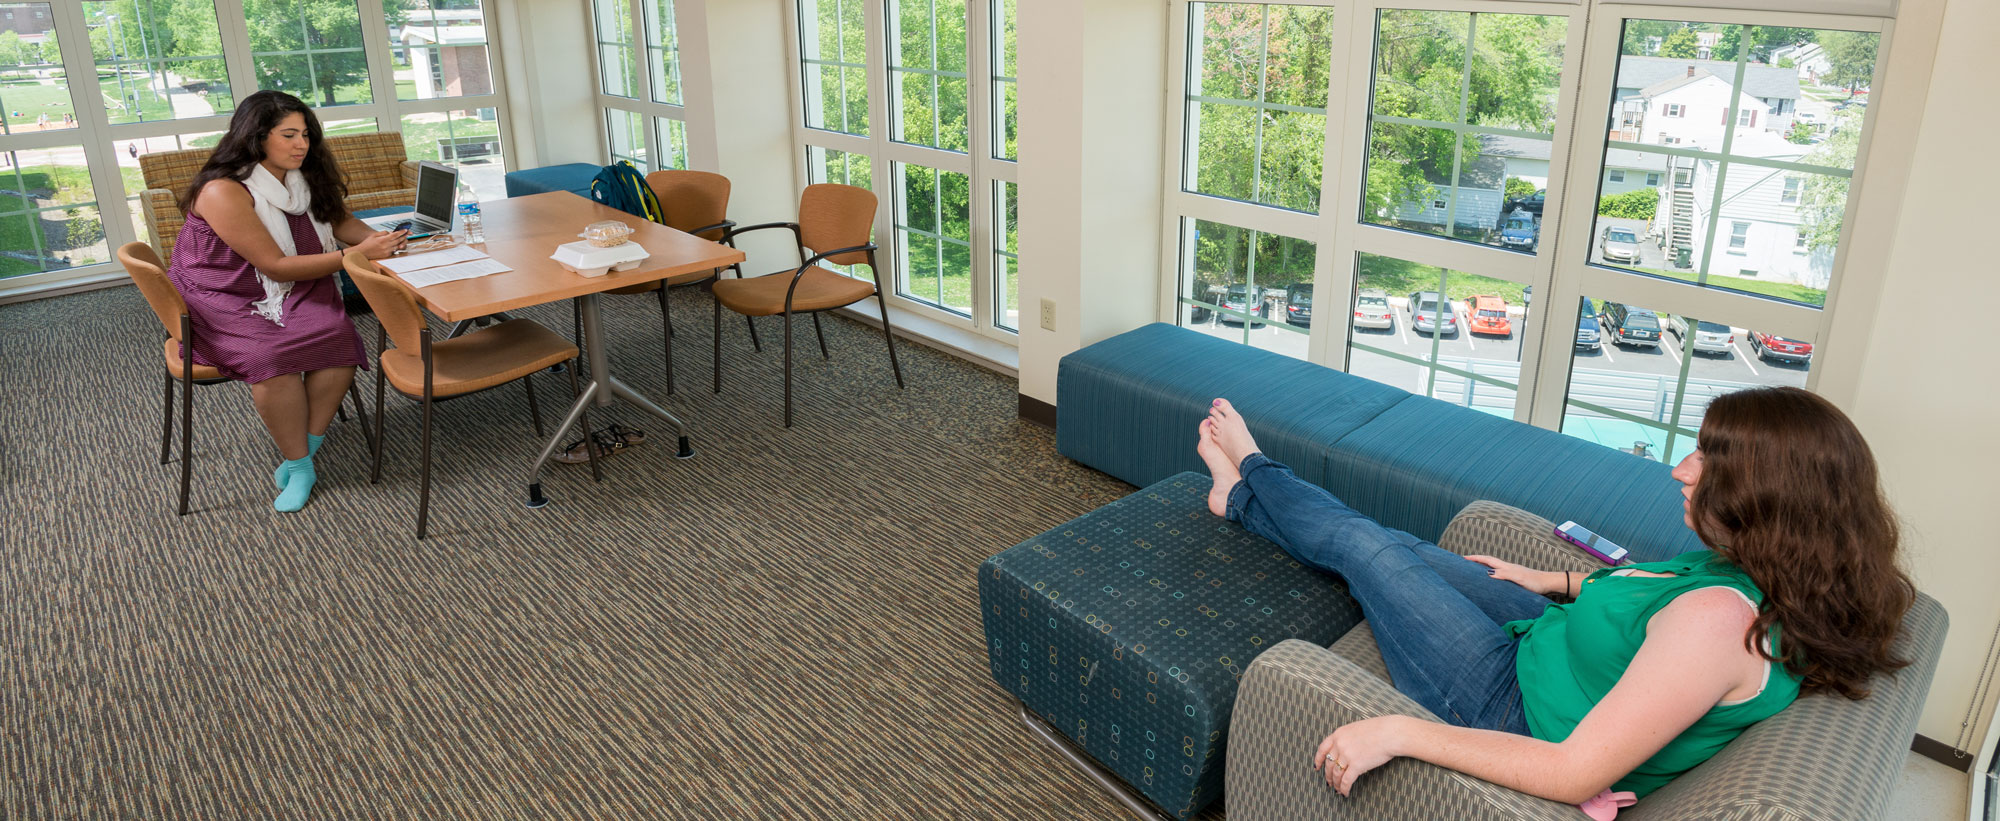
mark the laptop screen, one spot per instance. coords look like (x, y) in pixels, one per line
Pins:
(437, 187)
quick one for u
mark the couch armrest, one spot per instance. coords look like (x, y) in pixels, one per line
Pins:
(1297, 692)
(409, 171)
(162, 211)
(1515, 535)
(399, 198)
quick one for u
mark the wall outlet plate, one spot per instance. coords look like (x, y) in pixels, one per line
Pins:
(1048, 314)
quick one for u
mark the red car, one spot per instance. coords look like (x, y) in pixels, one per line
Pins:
(1773, 347)
(1488, 315)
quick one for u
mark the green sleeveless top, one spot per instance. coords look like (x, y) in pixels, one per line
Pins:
(1570, 657)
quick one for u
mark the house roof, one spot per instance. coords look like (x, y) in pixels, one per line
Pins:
(444, 35)
(1489, 171)
(1665, 86)
(1500, 145)
(1639, 160)
(1767, 82)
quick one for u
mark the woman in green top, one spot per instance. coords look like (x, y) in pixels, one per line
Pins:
(1653, 667)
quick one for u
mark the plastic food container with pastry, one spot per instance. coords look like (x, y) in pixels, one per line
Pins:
(606, 234)
(589, 260)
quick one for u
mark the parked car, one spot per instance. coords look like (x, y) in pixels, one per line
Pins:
(1371, 310)
(1709, 337)
(1520, 231)
(1773, 347)
(1620, 244)
(1431, 312)
(1199, 313)
(1531, 203)
(1239, 298)
(1627, 325)
(1586, 328)
(1299, 304)
(1488, 315)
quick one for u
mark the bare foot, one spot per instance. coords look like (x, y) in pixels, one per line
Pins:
(1230, 432)
(1220, 468)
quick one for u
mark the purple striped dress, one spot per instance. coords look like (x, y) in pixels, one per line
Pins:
(219, 285)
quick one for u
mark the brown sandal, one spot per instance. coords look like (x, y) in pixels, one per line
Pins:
(609, 441)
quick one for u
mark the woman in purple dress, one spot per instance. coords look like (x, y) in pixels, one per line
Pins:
(265, 222)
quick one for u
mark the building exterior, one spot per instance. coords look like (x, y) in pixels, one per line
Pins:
(1775, 90)
(1758, 230)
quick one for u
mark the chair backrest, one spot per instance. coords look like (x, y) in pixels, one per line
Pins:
(836, 216)
(146, 271)
(692, 199)
(373, 163)
(394, 303)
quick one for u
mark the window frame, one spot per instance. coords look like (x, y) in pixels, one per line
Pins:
(642, 102)
(1559, 270)
(100, 138)
(984, 172)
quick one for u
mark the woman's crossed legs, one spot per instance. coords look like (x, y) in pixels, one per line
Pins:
(1436, 616)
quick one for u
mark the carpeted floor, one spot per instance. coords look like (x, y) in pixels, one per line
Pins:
(785, 626)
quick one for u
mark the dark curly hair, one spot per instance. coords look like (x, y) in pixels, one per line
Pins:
(1789, 493)
(243, 146)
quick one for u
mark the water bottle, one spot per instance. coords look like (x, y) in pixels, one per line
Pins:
(468, 214)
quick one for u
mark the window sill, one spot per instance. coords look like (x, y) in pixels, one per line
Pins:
(986, 352)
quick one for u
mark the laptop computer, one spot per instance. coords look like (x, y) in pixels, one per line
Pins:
(437, 196)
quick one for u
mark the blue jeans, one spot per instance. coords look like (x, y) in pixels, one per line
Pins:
(1437, 616)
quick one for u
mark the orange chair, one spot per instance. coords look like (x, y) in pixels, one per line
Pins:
(834, 222)
(146, 271)
(695, 202)
(429, 372)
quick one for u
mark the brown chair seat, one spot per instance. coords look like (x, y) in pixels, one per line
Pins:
(202, 373)
(819, 290)
(674, 281)
(478, 360)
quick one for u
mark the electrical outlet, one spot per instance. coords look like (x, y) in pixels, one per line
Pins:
(1048, 314)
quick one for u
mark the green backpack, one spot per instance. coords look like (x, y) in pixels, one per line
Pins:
(622, 187)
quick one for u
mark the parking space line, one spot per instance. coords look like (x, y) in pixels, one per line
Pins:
(1400, 326)
(1465, 324)
(1605, 346)
(1743, 359)
(1670, 351)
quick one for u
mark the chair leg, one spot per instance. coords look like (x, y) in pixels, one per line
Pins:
(424, 494)
(534, 408)
(167, 429)
(361, 411)
(381, 413)
(590, 447)
(718, 346)
(187, 436)
(576, 327)
(340, 412)
(891, 337)
(788, 369)
(822, 337)
(667, 321)
(755, 343)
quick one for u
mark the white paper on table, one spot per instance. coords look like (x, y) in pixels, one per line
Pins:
(452, 273)
(432, 259)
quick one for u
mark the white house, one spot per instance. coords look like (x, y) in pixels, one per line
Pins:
(1626, 170)
(1481, 190)
(1808, 59)
(1775, 89)
(1758, 231)
(1695, 111)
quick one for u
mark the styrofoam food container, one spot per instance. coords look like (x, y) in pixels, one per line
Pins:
(591, 261)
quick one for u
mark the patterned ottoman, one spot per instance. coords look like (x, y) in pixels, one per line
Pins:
(1127, 629)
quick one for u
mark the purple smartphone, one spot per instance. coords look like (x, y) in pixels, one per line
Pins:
(1591, 543)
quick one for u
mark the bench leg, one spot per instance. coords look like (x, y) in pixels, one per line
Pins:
(1133, 802)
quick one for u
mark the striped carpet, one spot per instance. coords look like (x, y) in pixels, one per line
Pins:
(784, 627)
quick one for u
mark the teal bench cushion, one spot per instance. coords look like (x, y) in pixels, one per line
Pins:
(1129, 405)
(572, 177)
(1127, 629)
(1418, 464)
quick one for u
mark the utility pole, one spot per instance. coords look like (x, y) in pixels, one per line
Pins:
(117, 54)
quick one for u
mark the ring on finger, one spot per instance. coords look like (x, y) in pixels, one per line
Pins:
(1339, 764)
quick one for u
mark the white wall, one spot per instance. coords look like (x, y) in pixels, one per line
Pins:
(745, 81)
(1928, 398)
(544, 49)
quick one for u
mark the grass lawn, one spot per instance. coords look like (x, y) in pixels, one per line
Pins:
(1401, 278)
(420, 139)
(26, 101)
(1781, 290)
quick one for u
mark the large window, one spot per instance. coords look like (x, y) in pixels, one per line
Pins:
(639, 86)
(1436, 175)
(940, 145)
(167, 74)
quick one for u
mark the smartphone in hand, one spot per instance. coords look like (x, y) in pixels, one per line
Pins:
(1595, 545)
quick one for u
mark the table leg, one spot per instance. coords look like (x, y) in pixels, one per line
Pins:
(465, 326)
(576, 409)
(601, 388)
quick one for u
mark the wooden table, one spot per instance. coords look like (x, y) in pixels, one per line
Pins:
(523, 233)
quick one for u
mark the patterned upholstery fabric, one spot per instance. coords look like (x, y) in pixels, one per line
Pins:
(572, 177)
(1127, 629)
(378, 176)
(1822, 758)
(1129, 405)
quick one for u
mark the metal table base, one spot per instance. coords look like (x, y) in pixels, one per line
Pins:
(600, 390)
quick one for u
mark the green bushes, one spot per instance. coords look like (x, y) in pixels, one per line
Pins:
(1636, 205)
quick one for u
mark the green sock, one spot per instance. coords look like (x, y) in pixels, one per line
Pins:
(312, 449)
(298, 485)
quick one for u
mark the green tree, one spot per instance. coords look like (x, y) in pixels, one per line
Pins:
(301, 25)
(1639, 35)
(12, 51)
(1517, 188)
(1851, 55)
(1823, 203)
(1681, 44)
(1637, 204)
(1799, 133)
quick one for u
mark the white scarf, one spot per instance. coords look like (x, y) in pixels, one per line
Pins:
(273, 201)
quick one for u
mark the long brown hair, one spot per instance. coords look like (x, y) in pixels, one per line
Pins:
(243, 146)
(1788, 493)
